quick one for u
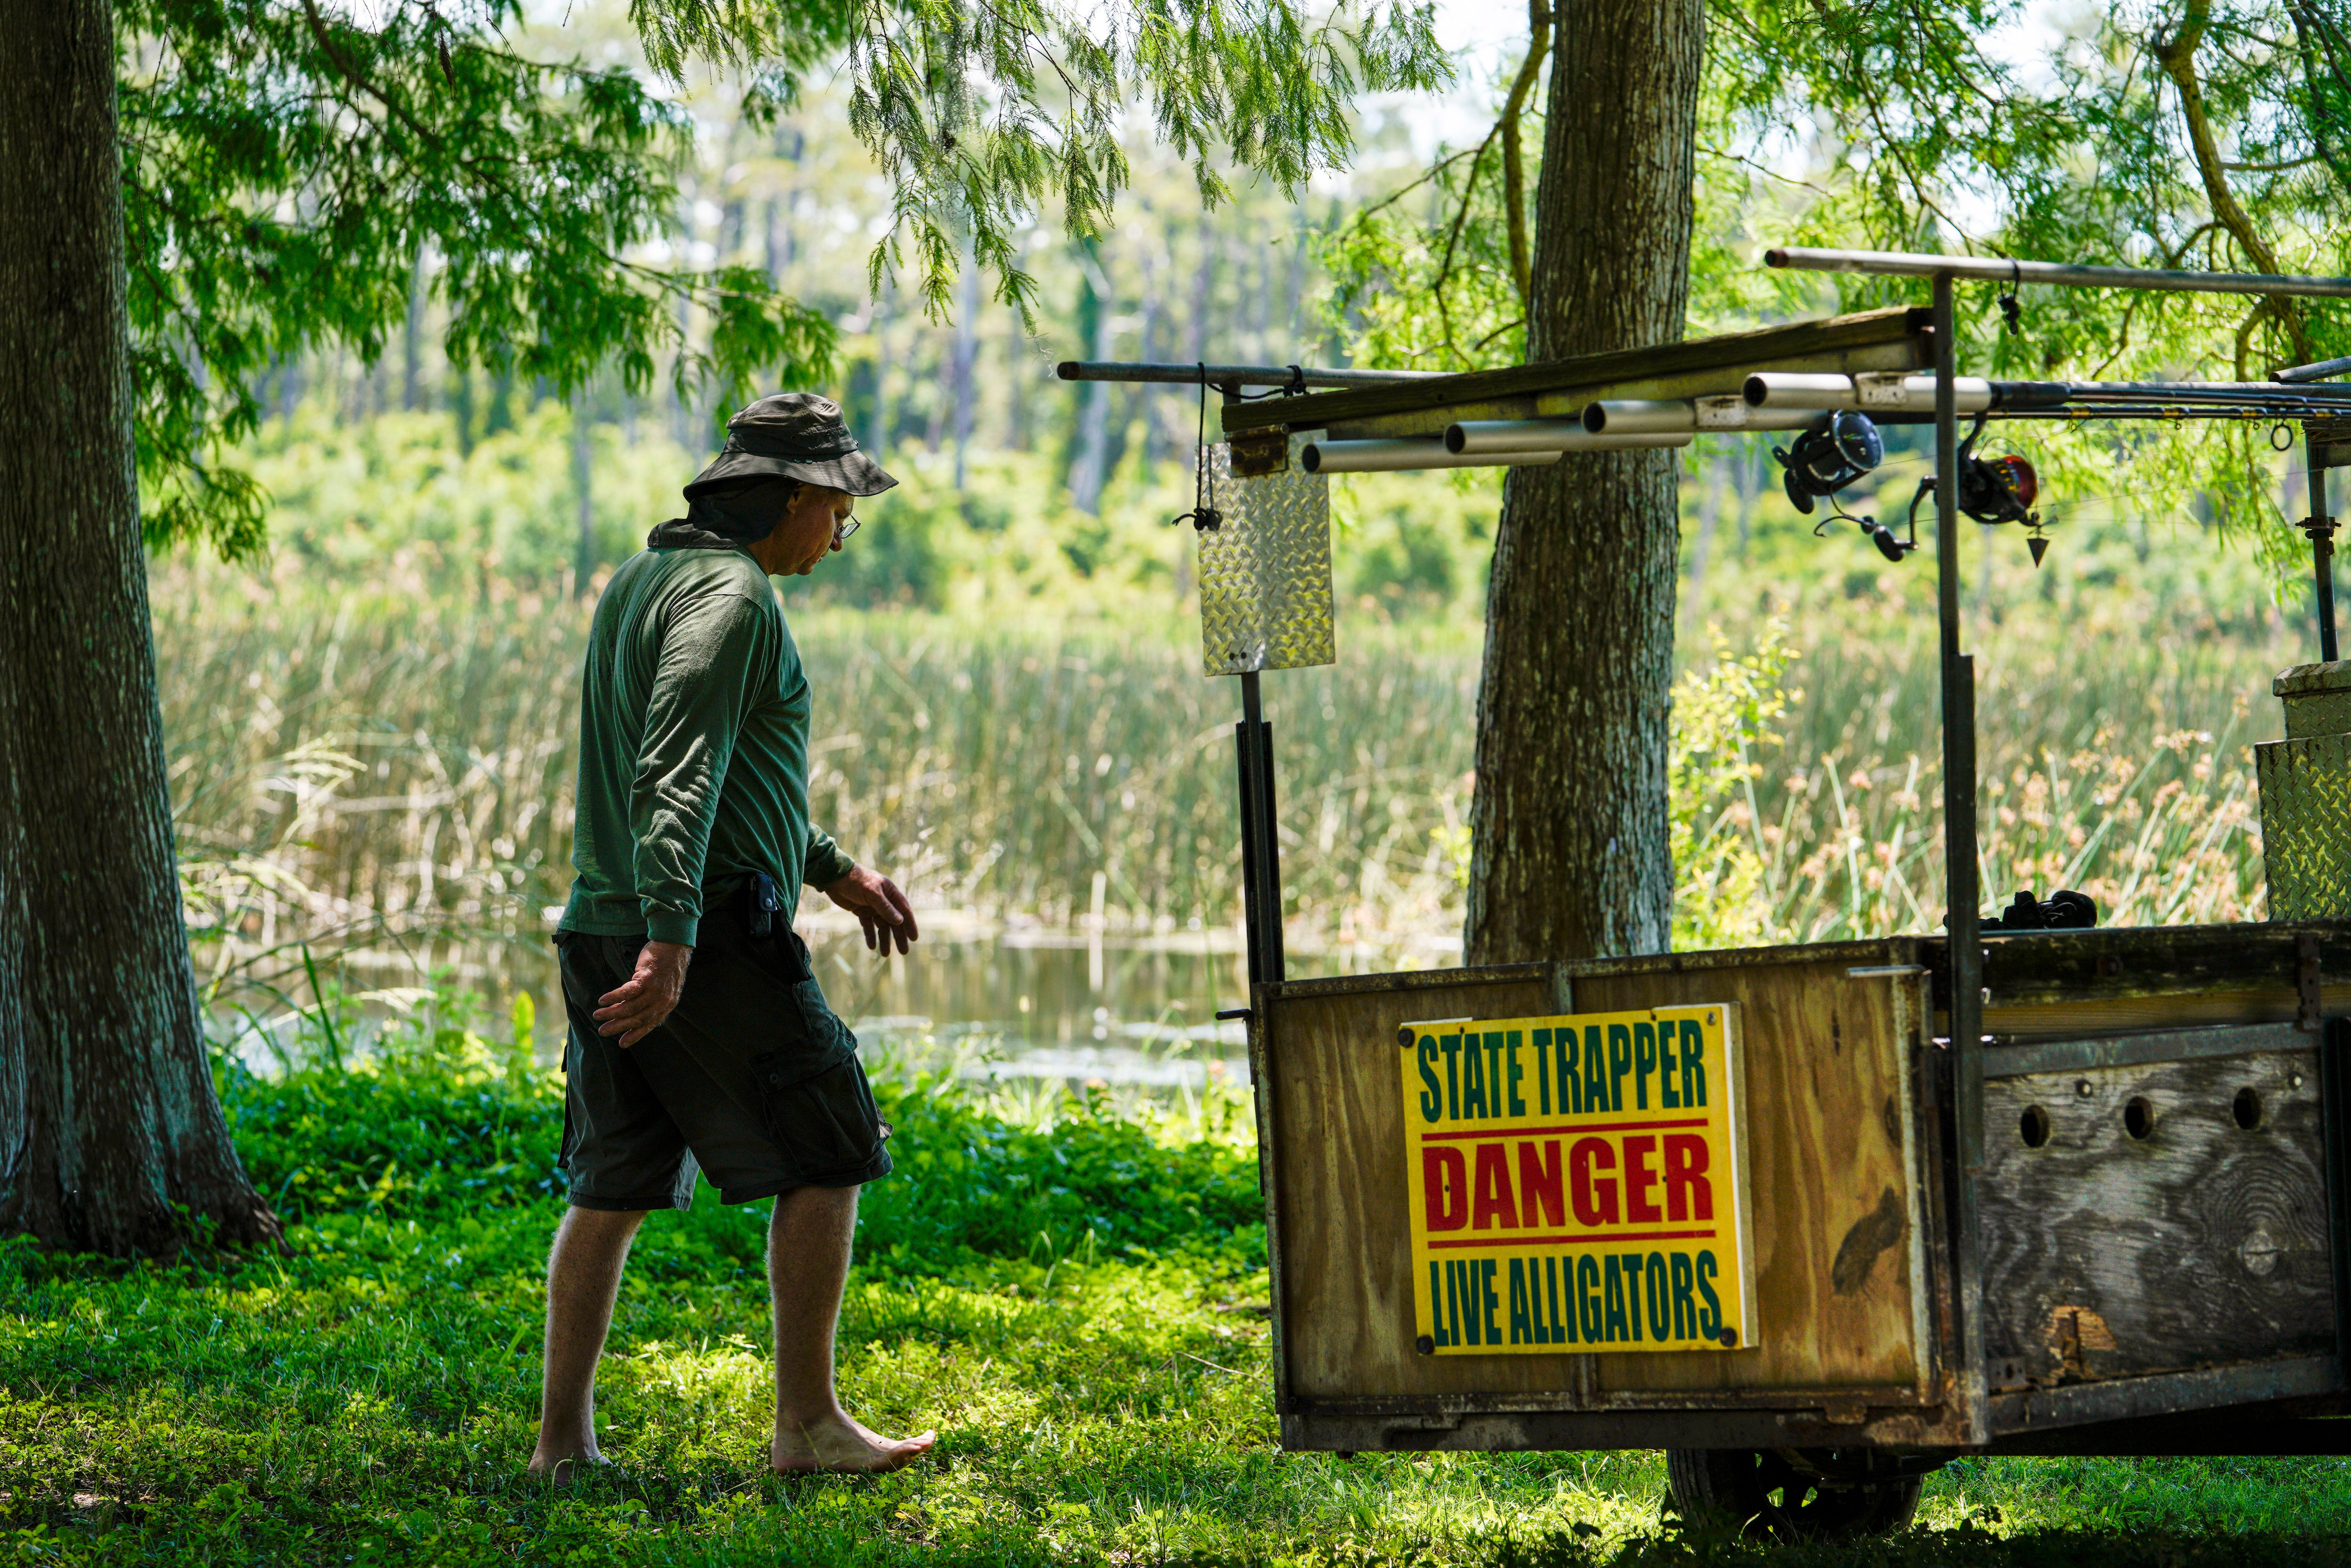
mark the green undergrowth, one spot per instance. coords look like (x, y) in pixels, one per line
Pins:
(445, 1134)
(1069, 1291)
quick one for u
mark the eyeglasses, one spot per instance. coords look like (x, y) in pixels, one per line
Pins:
(841, 531)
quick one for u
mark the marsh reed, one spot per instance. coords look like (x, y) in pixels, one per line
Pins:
(351, 767)
(2127, 777)
(403, 764)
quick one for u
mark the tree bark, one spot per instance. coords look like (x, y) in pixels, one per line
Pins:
(1569, 823)
(111, 1137)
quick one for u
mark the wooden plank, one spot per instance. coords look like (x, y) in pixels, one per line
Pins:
(2203, 1242)
(2064, 984)
(2040, 967)
(1837, 1210)
(1838, 1234)
(1339, 1191)
(2134, 1049)
(2021, 1023)
(1901, 952)
(1764, 348)
(1410, 980)
(2279, 1380)
(2282, 1428)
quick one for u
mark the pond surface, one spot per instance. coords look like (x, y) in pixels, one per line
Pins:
(1039, 1004)
(989, 1002)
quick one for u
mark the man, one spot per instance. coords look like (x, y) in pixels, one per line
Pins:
(700, 1041)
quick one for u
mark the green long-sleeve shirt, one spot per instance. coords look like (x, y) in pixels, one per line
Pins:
(694, 732)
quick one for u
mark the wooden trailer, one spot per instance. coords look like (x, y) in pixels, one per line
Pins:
(1816, 1218)
(2148, 1266)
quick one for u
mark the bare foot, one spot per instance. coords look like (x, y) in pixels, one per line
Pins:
(840, 1444)
(566, 1469)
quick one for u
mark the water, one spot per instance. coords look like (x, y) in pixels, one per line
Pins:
(997, 1002)
(1047, 1003)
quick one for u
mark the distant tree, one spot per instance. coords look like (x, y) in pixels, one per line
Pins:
(197, 190)
(2208, 134)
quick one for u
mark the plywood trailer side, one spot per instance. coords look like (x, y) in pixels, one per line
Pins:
(1835, 1174)
(2158, 1229)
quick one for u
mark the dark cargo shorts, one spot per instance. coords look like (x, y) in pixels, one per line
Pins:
(751, 1078)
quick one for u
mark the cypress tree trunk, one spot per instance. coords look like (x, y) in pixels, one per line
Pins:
(1569, 824)
(110, 1138)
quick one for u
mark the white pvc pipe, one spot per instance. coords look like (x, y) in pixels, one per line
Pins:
(1731, 415)
(1489, 436)
(1514, 435)
(1397, 457)
(1911, 394)
(1799, 389)
(1639, 416)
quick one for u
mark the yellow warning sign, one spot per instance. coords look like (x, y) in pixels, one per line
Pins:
(1578, 1183)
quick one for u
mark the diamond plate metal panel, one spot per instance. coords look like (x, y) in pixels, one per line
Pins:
(2317, 698)
(1265, 575)
(2307, 825)
(2319, 713)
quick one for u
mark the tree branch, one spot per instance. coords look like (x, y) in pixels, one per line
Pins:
(2280, 168)
(1425, 175)
(2311, 33)
(2178, 56)
(2245, 340)
(1453, 238)
(1514, 178)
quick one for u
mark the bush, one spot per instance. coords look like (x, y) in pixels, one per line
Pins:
(438, 1122)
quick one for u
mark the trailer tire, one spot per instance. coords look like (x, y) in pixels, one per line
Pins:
(1794, 1494)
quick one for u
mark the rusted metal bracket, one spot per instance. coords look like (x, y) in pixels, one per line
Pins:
(1257, 453)
(2330, 445)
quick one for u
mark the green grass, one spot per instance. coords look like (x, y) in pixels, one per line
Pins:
(1064, 1288)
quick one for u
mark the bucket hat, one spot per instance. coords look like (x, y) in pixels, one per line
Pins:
(791, 435)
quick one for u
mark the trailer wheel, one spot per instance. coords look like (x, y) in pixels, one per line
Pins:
(1794, 1493)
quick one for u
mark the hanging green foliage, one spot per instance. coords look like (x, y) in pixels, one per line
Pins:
(294, 170)
(285, 168)
(2212, 135)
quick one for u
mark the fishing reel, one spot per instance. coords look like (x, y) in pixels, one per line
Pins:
(1992, 490)
(1837, 448)
(2063, 910)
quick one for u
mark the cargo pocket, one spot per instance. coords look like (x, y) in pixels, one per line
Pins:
(819, 1025)
(570, 1144)
(826, 1124)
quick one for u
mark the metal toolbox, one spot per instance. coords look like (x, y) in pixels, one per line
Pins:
(2306, 785)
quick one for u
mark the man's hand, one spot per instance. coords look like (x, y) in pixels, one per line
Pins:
(638, 1004)
(879, 906)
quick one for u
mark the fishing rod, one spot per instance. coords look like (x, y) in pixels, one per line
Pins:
(2003, 269)
(1899, 393)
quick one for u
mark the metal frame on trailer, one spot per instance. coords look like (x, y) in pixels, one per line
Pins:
(1963, 917)
(2280, 1399)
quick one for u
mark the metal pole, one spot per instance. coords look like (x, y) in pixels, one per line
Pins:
(1261, 843)
(2001, 269)
(1245, 755)
(2295, 375)
(1231, 376)
(2320, 526)
(1962, 920)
